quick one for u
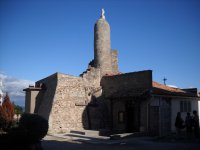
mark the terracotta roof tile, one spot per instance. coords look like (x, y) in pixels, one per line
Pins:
(161, 89)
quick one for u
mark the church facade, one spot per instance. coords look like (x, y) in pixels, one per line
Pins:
(104, 99)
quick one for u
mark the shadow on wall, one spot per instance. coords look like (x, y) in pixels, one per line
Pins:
(44, 99)
(38, 101)
(117, 109)
(96, 116)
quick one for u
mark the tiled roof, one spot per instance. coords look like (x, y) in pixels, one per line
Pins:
(161, 89)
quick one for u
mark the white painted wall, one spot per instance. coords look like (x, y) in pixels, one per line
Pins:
(154, 101)
(175, 107)
(199, 110)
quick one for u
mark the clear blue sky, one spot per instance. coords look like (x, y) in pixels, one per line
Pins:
(41, 37)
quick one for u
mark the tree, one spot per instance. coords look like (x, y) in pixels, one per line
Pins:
(2, 118)
(18, 110)
(9, 110)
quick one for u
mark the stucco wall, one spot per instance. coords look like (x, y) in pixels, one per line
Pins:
(144, 115)
(30, 100)
(199, 109)
(176, 108)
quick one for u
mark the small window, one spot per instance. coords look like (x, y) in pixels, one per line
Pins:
(185, 106)
(121, 117)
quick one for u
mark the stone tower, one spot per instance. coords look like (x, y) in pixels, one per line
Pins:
(78, 101)
(102, 46)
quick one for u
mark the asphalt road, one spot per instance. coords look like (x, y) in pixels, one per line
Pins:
(54, 143)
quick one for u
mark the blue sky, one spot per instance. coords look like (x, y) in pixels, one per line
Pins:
(41, 37)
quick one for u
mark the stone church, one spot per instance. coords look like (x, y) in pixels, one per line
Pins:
(104, 99)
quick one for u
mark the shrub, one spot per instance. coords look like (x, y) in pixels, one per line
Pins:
(35, 126)
(18, 109)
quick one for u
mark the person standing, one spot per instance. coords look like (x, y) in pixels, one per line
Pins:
(195, 120)
(179, 123)
(188, 125)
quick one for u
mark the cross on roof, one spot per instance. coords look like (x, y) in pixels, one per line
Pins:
(164, 80)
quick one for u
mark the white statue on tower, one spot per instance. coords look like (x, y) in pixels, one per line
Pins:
(102, 13)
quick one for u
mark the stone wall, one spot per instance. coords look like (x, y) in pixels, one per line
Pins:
(69, 104)
(119, 107)
(77, 103)
(92, 77)
(72, 103)
(114, 61)
(129, 84)
(63, 102)
(97, 109)
(128, 88)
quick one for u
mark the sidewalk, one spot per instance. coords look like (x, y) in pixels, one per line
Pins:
(115, 139)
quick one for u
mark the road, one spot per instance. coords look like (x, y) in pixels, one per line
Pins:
(55, 143)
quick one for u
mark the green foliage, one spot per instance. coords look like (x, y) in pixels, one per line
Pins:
(18, 109)
(35, 126)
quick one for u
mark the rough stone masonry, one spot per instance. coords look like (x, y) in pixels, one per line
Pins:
(64, 100)
(78, 103)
